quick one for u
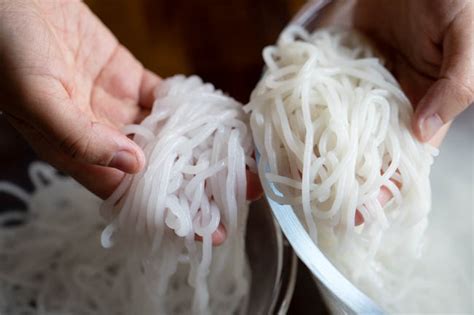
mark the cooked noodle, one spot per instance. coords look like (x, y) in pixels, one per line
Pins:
(331, 125)
(198, 146)
(197, 143)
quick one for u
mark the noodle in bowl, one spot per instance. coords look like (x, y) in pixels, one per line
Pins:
(332, 127)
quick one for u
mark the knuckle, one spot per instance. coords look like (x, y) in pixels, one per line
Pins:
(77, 146)
(466, 93)
(462, 89)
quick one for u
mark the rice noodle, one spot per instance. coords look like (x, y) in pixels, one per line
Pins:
(331, 125)
(197, 146)
(197, 143)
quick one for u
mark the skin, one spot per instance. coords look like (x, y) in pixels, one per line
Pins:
(429, 47)
(72, 86)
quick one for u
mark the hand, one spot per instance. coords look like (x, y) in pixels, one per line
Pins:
(254, 192)
(430, 49)
(68, 86)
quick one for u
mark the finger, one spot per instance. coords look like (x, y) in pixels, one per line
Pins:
(122, 89)
(414, 83)
(385, 195)
(71, 131)
(88, 175)
(440, 135)
(149, 83)
(454, 91)
(218, 237)
(359, 219)
(100, 180)
(99, 144)
(254, 192)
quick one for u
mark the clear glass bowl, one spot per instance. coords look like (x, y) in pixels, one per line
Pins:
(340, 295)
(272, 261)
(450, 190)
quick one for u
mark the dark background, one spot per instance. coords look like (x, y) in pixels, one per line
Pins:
(219, 40)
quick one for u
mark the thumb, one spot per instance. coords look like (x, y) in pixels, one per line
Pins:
(453, 92)
(99, 144)
(73, 132)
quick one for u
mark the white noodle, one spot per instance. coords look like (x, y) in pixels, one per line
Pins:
(331, 126)
(52, 263)
(196, 148)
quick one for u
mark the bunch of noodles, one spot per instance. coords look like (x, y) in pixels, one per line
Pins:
(51, 261)
(198, 148)
(332, 127)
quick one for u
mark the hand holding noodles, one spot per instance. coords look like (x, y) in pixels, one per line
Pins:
(198, 146)
(332, 127)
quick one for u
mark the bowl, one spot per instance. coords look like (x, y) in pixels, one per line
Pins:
(451, 187)
(272, 261)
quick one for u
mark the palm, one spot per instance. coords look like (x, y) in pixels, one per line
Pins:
(69, 70)
(411, 45)
(430, 46)
(414, 79)
(83, 63)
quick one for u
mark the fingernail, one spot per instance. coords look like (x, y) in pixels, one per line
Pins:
(429, 126)
(124, 161)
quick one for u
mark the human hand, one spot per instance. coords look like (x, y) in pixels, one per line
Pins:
(429, 45)
(68, 86)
